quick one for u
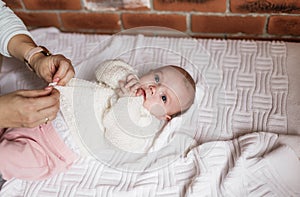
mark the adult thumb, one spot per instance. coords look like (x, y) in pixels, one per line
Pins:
(35, 93)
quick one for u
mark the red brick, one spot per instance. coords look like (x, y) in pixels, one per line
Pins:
(284, 25)
(13, 4)
(92, 21)
(141, 8)
(173, 21)
(39, 19)
(265, 6)
(228, 24)
(52, 4)
(247, 37)
(98, 5)
(186, 5)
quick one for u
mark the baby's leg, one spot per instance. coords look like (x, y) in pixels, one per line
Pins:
(293, 141)
(33, 153)
(21, 156)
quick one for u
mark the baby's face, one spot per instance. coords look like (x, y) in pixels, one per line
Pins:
(166, 92)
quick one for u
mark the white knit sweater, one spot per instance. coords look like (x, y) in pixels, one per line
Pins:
(123, 121)
(10, 25)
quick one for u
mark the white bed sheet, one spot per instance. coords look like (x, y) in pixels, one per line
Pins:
(223, 113)
(293, 102)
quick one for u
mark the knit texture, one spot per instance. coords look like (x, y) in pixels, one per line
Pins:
(111, 71)
(123, 121)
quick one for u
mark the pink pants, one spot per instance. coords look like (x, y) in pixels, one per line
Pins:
(33, 153)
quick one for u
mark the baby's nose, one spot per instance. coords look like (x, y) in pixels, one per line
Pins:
(152, 89)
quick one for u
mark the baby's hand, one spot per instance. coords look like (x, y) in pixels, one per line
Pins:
(128, 87)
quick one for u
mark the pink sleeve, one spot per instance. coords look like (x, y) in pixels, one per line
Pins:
(33, 154)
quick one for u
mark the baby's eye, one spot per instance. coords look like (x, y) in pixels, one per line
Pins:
(164, 99)
(156, 78)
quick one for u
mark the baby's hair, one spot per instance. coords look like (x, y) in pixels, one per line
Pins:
(189, 80)
(187, 76)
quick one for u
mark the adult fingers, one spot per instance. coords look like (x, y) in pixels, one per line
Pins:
(65, 70)
(42, 67)
(47, 77)
(69, 75)
(46, 115)
(35, 93)
(35, 118)
(42, 117)
(23, 107)
(47, 101)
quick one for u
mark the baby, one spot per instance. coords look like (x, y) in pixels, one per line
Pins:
(120, 101)
(129, 110)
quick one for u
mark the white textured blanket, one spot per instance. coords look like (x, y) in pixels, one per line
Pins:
(245, 91)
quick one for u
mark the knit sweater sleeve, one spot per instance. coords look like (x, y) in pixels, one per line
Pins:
(10, 25)
(110, 72)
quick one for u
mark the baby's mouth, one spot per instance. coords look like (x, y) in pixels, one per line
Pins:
(142, 92)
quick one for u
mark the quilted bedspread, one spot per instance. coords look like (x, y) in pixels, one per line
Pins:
(224, 145)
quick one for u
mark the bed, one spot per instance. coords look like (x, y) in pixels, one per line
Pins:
(246, 92)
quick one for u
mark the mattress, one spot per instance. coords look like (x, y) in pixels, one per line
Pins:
(246, 93)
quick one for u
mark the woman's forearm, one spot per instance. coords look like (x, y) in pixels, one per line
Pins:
(10, 26)
(19, 45)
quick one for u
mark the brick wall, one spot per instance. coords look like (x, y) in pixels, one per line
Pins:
(255, 19)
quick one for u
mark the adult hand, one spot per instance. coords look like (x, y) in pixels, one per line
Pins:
(54, 68)
(28, 108)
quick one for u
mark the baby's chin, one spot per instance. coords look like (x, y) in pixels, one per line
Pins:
(155, 109)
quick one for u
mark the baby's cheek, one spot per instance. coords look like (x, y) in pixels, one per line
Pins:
(155, 109)
(146, 105)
